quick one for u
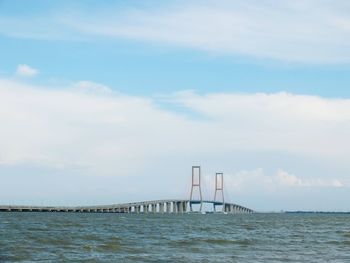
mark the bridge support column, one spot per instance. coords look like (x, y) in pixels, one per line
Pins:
(161, 208)
(230, 209)
(145, 208)
(226, 208)
(235, 210)
(168, 207)
(154, 208)
(180, 207)
(184, 207)
(175, 208)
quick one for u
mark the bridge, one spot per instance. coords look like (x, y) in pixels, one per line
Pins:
(157, 206)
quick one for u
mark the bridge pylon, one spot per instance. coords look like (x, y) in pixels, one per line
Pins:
(196, 183)
(219, 191)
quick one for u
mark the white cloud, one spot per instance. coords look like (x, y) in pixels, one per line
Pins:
(292, 31)
(113, 125)
(91, 87)
(284, 178)
(24, 70)
(251, 181)
(300, 124)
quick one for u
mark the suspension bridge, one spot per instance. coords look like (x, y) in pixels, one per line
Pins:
(156, 206)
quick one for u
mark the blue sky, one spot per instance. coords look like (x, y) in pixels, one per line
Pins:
(135, 68)
(158, 67)
(116, 92)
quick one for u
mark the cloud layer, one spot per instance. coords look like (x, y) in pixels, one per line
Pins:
(118, 127)
(87, 130)
(290, 31)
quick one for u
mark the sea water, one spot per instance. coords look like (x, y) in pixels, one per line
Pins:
(80, 237)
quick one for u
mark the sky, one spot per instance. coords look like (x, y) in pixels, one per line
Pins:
(104, 102)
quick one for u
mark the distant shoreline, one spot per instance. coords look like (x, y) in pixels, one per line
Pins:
(314, 212)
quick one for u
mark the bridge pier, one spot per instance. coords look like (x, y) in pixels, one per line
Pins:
(179, 207)
(168, 207)
(232, 209)
(161, 208)
(235, 209)
(184, 206)
(228, 208)
(175, 208)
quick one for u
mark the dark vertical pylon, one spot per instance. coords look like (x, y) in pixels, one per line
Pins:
(219, 187)
(196, 184)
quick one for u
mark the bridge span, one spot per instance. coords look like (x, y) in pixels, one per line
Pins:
(156, 206)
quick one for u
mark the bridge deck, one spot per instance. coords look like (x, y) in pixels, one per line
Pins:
(157, 206)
